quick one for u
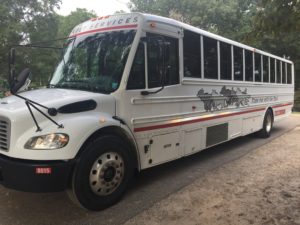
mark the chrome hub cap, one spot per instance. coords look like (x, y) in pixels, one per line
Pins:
(106, 173)
(269, 123)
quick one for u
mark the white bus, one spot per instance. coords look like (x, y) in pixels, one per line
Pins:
(134, 91)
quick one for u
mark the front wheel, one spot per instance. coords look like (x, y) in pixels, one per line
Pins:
(102, 173)
(267, 125)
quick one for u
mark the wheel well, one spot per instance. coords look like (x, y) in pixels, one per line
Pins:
(116, 131)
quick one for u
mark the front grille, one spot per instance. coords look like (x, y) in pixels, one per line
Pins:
(4, 134)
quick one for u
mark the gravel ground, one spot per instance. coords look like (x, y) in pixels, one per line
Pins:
(262, 188)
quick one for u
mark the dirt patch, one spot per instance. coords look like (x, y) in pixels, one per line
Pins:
(261, 188)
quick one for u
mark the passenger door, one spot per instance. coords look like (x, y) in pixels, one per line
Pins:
(151, 70)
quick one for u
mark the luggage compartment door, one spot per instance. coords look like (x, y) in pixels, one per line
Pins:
(164, 147)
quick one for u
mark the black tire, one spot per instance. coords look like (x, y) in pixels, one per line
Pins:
(83, 191)
(265, 132)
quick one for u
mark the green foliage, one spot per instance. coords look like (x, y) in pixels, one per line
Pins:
(67, 23)
(230, 18)
(34, 22)
(277, 26)
(119, 12)
(297, 101)
(3, 87)
(21, 21)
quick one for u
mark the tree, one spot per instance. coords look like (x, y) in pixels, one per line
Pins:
(43, 61)
(67, 23)
(229, 18)
(277, 28)
(20, 21)
(34, 21)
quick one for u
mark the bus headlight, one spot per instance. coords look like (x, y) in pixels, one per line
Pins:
(47, 142)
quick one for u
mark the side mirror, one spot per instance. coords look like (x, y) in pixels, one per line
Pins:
(20, 82)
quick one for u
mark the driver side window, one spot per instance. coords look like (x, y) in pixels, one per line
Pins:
(154, 56)
(136, 78)
(137, 74)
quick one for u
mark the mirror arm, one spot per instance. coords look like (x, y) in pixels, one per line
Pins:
(36, 108)
(152, 92)
(11, 63)
(38, 128)
(32, 102)
(51, 111)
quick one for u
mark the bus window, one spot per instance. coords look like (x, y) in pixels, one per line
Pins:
(283, 72)
(278, 72)
(225, 58)
(266, 67)
(171, 62)
(272, 70)
(248, 65)
(238, 63)
(289, 73)
(210, 58)
(192, 54)
(257, 71)
(137, 74)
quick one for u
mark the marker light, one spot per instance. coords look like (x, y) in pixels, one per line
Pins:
(47, 142)
(152, 25)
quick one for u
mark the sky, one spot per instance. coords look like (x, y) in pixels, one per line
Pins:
(101, 7)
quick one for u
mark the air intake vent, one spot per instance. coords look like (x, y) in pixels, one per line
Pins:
(4, 134)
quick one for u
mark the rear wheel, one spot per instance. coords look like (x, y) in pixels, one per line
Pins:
(102, 173)
(267, 125)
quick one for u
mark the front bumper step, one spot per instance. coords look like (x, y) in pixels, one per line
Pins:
(35, 176)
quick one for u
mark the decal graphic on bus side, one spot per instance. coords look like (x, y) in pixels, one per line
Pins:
(227, 97)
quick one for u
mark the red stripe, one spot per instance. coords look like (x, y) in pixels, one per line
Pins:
(282, 105)
(174, 124)
(140, 129)
(106, 29)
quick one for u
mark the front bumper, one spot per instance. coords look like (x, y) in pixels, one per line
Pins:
(35, 176)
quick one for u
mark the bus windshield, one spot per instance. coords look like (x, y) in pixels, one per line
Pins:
(94, 62)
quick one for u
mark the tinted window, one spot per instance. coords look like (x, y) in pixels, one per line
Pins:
(248, 65)
(137, 74)
(156, 66)
(266, 69)
(289, 73)
(192, 54)
(278, 71)
(257, 71)
(238, 63)
(225, 57)
(283, 72)
(210, 58)
(272, 70)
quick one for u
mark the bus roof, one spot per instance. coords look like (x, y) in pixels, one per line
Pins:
(134, 20)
